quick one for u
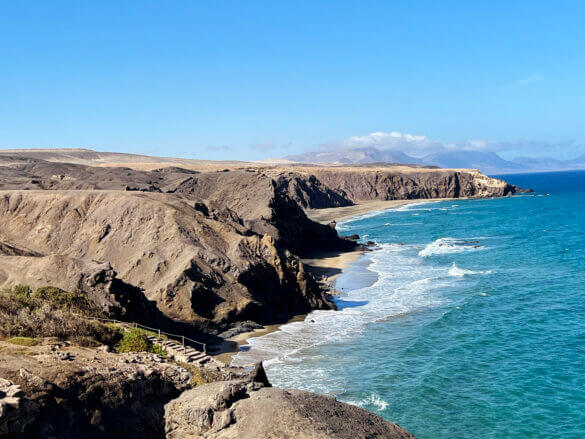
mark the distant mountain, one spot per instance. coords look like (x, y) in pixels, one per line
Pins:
(547, 163)
(355, 156)
(579, 161)
(487, 162)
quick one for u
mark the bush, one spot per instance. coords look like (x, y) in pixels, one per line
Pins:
(136, 340)
(64, 300)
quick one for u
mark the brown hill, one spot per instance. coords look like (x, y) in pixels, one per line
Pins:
(199, 247)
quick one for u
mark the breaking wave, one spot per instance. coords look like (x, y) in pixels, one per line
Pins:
(444, 246)
(456, 271)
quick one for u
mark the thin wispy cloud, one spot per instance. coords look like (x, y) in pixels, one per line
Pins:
(530, 79)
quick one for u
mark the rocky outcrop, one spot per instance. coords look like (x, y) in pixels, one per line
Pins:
(359, 184)
(68, 392)
(65, 392)
(250, 410)
(196, 268)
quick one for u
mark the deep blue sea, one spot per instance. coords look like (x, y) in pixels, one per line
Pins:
(468, 321)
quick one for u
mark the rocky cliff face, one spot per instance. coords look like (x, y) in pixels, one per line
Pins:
(91, 394)
(360, 184)
(251, 410)
(122, 247)
(191, 247)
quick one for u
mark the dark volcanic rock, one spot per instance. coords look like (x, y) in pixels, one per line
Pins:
(250, 410)
(88, 393)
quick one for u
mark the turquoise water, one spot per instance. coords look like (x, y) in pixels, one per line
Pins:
(474, 326)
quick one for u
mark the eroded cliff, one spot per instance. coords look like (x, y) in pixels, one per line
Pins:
(191, 247)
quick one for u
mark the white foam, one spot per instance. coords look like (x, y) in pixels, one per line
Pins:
(405, 284)
(443, 246)
(372, 401)
(413, 206)
(456, 271)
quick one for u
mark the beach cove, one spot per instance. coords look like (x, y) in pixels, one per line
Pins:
(471, 326)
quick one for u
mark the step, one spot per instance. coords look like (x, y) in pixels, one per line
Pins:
(196, 356)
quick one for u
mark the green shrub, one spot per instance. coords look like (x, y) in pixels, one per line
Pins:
(136, 340)
(65, 300)
(159, 350)
(21, 291)
(23, 341)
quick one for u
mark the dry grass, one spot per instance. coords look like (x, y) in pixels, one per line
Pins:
(200, 375)
(51, 312)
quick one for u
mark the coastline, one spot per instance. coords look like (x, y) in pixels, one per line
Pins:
(328, 265)
(331, 265)
(325, 216)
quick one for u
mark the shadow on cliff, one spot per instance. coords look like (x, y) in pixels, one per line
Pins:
(137, 308)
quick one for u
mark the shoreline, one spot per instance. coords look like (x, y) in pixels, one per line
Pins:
(329, 264)
(325, 216)
(326, 264)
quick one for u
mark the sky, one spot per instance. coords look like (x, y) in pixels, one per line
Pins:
(249, 80)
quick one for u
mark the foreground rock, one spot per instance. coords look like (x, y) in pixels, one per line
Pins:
(250, 410)
(60, 391)
(72, 392)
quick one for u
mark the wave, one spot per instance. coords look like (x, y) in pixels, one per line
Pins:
(443, 246)
(373, 400)
(412, 206)
(404, 284)
(400, 224)
(456, 271)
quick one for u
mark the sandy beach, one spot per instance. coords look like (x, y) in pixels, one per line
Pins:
(325, 216)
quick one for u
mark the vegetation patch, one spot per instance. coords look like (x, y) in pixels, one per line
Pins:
(200, 375)
(136, 340)
(52, 312)
(23, 341)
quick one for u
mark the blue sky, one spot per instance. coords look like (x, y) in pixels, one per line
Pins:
(249, 80)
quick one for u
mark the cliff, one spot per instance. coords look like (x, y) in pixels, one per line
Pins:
(360, 183)
(199, 248)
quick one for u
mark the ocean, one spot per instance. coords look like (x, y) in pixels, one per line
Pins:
(466, 321)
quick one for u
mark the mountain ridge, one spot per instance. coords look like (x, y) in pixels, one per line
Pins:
(489, 162)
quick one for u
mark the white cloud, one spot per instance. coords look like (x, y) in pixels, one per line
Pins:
(393, 141)
(419, 145)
